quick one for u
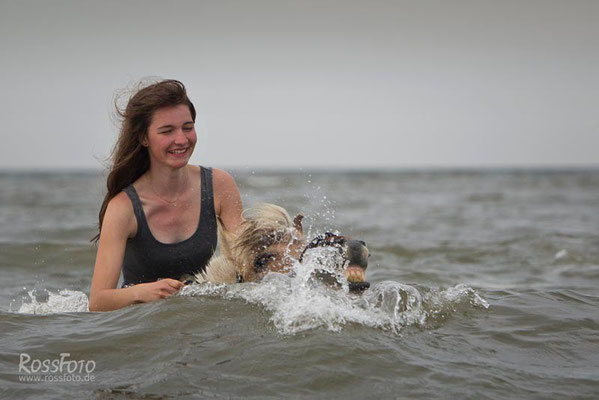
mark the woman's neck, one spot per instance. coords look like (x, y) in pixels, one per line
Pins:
(168, 182)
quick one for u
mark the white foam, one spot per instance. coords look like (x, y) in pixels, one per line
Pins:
(563, 253)
(301, 303)
(63, 301)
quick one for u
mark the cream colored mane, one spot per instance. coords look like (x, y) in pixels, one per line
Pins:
(263, 226)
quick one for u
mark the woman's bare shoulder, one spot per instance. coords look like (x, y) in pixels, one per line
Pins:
(121, 203)
(222, 178)
(227, 200)
(120, 213)
(224, 185)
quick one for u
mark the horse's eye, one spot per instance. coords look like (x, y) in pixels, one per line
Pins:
(262, 260)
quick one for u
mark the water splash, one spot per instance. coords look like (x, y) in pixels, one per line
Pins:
(300, 303)
(48, 302)
(322, 208)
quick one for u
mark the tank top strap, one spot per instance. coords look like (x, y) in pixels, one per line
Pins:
(208, 213)
(138, 210)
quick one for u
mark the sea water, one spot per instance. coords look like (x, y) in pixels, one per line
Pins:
(483, 285)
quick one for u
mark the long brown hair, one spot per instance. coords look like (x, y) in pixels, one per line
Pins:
(129, 158)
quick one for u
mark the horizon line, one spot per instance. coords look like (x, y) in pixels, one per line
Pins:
(321, 168)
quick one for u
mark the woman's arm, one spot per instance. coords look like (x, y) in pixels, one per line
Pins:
(118, 225)
(227, 201)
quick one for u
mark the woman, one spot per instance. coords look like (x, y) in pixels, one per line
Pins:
(148, 221)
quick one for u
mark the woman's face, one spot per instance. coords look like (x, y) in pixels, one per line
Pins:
(171, 136)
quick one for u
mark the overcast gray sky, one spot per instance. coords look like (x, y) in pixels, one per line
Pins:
(310, 83)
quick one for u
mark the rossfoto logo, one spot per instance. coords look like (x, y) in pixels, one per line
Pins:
(62, 369)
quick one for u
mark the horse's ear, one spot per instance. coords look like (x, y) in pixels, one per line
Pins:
(297, 223)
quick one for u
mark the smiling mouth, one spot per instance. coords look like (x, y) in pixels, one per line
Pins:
(178, 152)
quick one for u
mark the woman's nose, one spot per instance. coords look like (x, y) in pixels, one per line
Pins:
(180, 137)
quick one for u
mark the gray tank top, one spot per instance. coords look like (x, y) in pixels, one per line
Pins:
(147, 259)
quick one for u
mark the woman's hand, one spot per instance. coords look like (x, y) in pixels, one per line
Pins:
(145, 292)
